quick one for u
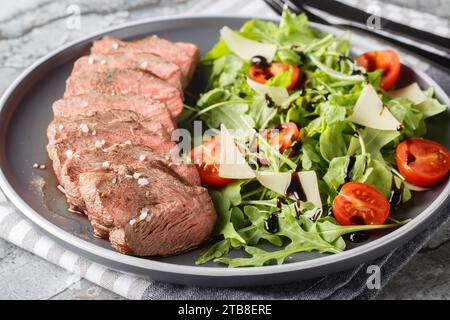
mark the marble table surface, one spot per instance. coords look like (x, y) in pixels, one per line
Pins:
(32, 28)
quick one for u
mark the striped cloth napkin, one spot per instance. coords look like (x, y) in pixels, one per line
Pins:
(350, 284)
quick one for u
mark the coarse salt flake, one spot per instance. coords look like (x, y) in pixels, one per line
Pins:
(132, 222)
(84, 128)
(143, 214)
(105, 164)
(136, 175)
(69, 153)
(143, 182)
(142, 157)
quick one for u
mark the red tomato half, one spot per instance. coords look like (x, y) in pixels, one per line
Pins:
(207, 158)
(422, 162)
(387, 60)
(360, 204)
(262, 74)
(286, 134)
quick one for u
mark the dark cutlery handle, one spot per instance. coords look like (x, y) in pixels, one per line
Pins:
(442, 61)
(347, 12)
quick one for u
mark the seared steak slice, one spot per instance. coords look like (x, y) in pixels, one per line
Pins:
(184, 55)
(101, 129)
(123, 154)
(147, 62)
(158, 214)
(121, 82)
(156, 111)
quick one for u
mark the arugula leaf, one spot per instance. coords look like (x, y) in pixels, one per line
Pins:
(288, 56)
(431, 106)
(335, 176)
(225, 70)
(215, 251)
(283, 79)
(233, 116)
(380, 177)
(260, 112)
(411, 118)
(311, 157)
(212, 97)
(219, 50)
(333, 141)
(374, 141)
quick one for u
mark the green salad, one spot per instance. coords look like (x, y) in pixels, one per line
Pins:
(330, 143)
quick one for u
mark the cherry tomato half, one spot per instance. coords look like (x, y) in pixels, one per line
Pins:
(206, 158)
(285, 136)
(263, 73)
(387, 60)
(422, 162)
(360, 204)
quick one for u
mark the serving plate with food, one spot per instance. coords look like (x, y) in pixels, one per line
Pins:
(226, 151)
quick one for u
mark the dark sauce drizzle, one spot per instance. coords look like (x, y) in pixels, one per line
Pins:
(396, 195)
(330, 212)
(355, 70)
(349, 168)
(269, 101)
(295, 188)
(260, 61)
(271, 223)
(356, 237)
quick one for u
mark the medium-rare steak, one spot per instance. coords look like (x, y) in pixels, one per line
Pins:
(121, 82)
(101, 129)
(158, 214)
(156, 111)
(123, 154)
(148, 62)
(184, 55)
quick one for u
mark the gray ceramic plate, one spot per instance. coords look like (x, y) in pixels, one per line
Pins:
(26, 112)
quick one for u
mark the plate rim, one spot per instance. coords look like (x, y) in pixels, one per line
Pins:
(167, 267)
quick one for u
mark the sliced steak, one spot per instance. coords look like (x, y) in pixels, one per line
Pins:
(157, 215)
(123, 154)
(101, 129)
(121, 82)
(147, 62)
(184, 55)
(156, 111)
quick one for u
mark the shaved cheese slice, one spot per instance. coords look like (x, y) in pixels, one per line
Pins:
(369, 111)
(414, 187)
(277, 94)
(336, 74)
(232, 163)
(279, 182)
(246, 48)
(411, 92)
(275, 181)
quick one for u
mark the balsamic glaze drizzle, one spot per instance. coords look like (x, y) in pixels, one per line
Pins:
(349, 168)
(260, 62)
(295, 188)
(396, 195)
(271, 223)
(356, 237)
(269, 101)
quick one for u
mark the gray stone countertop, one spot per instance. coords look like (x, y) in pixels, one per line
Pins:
(30, 29)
